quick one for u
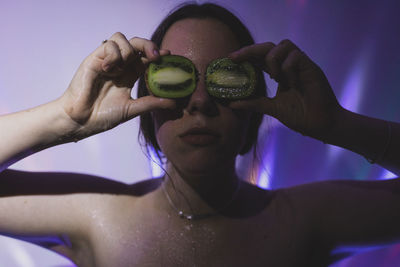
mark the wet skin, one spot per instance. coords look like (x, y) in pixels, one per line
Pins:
(119, 225)
(257, 229)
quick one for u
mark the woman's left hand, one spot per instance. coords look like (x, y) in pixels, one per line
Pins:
(304, 101)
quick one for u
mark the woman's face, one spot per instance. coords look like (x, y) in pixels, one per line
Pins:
(201, 41)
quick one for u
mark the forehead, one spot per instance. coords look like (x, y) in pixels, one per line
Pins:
(200, 40)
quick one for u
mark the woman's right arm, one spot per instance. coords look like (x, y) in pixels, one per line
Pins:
(97, 99)
(26, 132)
(60, 205)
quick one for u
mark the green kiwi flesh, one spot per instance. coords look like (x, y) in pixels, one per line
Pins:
(171, 77)
(227, 79)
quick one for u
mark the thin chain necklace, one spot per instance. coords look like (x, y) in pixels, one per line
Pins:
(189, 216)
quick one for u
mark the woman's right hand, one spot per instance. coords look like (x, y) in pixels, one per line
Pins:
(99, 95)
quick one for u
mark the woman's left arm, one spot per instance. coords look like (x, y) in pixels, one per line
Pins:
(305, 102)
(375, 139)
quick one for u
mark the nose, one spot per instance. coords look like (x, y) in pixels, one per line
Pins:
(201, 101)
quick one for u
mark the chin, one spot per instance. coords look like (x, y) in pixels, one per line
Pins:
(203, 163)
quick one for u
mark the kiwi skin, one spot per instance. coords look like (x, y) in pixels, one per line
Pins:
(219, 68)
(171, 90)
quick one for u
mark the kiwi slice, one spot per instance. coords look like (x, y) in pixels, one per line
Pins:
(171, 77)
(227, 79)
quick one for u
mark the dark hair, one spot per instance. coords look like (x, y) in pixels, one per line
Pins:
(244, 38)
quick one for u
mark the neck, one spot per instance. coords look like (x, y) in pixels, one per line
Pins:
(201, 193)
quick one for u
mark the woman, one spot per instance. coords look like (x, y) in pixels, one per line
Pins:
(200, 213)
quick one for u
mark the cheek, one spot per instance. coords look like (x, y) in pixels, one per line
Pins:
(163, 135)
(166, 127)
(162, 116)
(237, 127)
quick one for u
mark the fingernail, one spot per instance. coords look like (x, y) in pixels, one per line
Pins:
(156, 53)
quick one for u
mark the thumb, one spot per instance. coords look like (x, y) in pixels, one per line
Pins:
(145, 104)
(263, 105)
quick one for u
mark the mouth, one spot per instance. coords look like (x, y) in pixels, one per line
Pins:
(200, 136)
(200, 131)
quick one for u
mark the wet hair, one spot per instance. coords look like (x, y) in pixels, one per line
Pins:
(244, 38)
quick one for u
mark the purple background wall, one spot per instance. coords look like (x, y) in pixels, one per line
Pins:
(356, 43)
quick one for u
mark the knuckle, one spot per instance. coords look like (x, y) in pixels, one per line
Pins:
(285, 42)
(110, 48)
(139, 38)
(134, 40)
(302, 54)
(270, 44)
(118, 35)
(115, 55)
(111, 43)
(296, 53)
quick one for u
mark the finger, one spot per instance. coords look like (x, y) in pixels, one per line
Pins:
(112, 56)
(276, 56)
(263, 105)
(145, 47)
(164, 52)
(254, 53)
(126, 49)
(290, 68)
(295, 66)
(306, 63)
(148, 103)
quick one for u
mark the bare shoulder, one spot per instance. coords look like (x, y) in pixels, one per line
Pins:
(58, 208)
(347, 212)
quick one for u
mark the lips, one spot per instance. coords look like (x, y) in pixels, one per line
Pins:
(200, 136)
(200, 131)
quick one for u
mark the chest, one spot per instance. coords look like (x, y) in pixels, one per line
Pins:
(149, 238)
